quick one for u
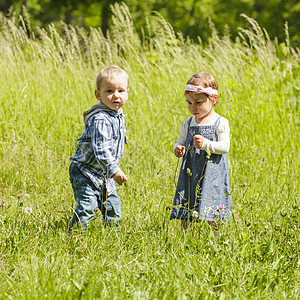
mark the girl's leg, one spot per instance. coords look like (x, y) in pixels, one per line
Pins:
(185, 224)
(214, 227)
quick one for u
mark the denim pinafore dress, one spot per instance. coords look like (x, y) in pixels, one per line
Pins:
(203, 190)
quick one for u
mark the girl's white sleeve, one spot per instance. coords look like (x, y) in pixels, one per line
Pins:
(183, 134)
(222, 145)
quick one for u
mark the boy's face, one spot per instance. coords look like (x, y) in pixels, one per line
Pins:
(113, 92)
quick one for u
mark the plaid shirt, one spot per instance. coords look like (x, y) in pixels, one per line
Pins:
(101, 146)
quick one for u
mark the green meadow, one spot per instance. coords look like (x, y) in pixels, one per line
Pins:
(48, 80)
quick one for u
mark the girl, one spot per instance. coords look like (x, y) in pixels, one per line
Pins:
(203, 190)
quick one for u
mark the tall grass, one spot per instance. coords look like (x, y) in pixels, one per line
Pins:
(47, 82)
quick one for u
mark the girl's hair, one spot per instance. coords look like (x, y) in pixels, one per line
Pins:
(110, 72)
(203, 79)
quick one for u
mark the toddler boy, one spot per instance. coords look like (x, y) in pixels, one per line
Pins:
(94, 167)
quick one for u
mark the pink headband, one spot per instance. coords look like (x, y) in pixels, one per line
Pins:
(199, 89)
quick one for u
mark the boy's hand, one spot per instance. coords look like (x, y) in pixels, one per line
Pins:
(179, 151)
(198, 140)
(119, 177)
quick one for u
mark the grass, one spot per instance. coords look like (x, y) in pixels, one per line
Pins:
(47, 82)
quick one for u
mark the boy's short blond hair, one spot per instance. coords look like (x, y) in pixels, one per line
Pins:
(109, 72)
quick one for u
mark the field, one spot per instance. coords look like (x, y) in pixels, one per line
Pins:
(47, 81)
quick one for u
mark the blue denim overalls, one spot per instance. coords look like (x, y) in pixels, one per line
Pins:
(203, 190)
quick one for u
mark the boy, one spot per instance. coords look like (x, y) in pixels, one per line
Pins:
(94, 167)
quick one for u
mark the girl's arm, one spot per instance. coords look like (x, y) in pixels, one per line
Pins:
(223, 144)
(183, 133)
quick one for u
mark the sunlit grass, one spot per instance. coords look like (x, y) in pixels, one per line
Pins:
(46, 85)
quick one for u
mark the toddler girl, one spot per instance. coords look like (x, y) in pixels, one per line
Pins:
(203, 191)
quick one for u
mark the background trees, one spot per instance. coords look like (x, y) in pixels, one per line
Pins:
(191, 17)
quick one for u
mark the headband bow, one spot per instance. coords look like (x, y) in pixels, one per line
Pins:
(199, 89)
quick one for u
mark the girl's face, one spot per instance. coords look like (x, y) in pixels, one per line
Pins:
(200, 105)
(113, 92)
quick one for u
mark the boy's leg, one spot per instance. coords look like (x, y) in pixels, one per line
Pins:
(110, 206)
(85, 194)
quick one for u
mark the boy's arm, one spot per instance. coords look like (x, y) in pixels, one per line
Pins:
(103, 143)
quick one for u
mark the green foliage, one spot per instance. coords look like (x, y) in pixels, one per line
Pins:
(192, 18)
(48, 82)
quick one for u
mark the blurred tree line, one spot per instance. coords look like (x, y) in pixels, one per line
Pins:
(193, 18)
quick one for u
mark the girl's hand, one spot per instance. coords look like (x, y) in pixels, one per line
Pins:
(198, 141)
(179, 151)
